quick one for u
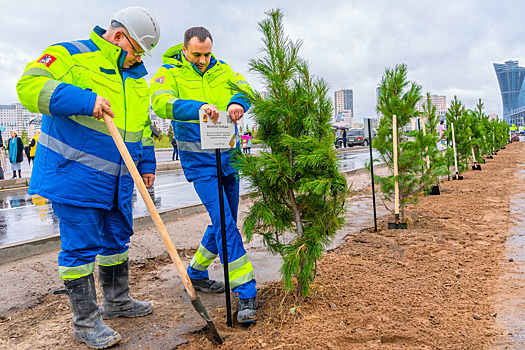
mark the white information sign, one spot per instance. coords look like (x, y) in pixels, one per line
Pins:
(220, 135)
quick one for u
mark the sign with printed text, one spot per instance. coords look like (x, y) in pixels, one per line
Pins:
(220, 135)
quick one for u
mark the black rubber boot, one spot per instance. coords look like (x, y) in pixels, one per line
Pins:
(207, 285)
(14, 174)
(116, 302)
(247, 310)
(89, 327)
(20, 174)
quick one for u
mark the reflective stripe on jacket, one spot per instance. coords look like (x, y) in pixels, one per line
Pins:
(77, 161)
(179, 89)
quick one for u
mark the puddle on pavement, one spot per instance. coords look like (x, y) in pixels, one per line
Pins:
(510, 307)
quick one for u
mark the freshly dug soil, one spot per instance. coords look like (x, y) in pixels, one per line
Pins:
(432, 286)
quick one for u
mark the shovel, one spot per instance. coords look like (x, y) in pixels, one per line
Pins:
(494, 150)
(475, 166)
(195, 301)
(434, 191)
(396, 224)
(457, 176)
(488, 155)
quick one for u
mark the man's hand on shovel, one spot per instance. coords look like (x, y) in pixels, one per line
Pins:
(102, 106)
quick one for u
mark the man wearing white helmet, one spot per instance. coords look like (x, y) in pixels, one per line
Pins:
(79, 168)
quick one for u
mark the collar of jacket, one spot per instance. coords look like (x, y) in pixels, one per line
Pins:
(175, 56)
(116, 54)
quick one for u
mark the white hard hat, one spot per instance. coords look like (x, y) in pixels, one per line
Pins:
(141, 25)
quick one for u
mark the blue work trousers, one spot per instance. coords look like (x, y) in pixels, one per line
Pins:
(241, 274)
(88, 232)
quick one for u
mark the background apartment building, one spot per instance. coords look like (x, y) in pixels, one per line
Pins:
(162, 125)
(344, 101)
(16, 117)
(344, 108)
(439, 101)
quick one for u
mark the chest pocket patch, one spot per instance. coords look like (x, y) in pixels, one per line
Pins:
(107, 71)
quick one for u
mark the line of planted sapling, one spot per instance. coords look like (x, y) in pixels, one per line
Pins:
(419, 158)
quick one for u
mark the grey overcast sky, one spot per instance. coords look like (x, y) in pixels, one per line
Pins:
(449, 46)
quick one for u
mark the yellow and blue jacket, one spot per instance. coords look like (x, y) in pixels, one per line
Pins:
(77, 161)
(179, 89)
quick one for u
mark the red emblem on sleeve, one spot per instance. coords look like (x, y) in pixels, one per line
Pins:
(160, 80)
(47, 59)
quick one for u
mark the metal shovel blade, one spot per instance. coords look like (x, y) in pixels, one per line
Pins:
(397, 226)
(434, 191)
(202, 311)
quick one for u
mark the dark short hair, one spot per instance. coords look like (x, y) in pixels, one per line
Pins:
(200, 32)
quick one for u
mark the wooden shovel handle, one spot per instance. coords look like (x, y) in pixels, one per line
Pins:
(394, 149)
(149, 204)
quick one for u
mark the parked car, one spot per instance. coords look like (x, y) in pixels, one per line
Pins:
(357, 137)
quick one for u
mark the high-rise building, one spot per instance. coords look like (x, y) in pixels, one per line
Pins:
(379, 114)
(344, 119)
(440, 102)
(16, 117)
(162, 125)
(344, 101)
(510, 78)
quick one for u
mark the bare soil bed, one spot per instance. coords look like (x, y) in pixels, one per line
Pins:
(432, 286)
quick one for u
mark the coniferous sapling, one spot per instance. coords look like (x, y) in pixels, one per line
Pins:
(457, 114)
(437, 162)
(298, 190)
(398, 96)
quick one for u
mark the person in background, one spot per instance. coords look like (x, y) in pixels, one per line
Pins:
(245, 145)
(3, 164)
(175, 155)
(440, 128)
(26, 151)
(15, 146)
(344, 138)
(79, 168)
(193, 79)
(250, 145)
(2, 158)
(32, 146)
